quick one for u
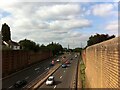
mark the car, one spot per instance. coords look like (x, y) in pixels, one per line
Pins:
(64, 56)
(50, 80)
(19, 84)
(67, 62)
(51, 64)
(71, 59)
(58, 60)
(64, 65)
(75, 56)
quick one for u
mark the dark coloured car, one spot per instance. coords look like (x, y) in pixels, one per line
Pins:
(19, 84)
(64, 65)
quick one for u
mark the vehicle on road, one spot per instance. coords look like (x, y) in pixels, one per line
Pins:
(67, 62)
(71, 59)
(58, 60)
(19, 84)
(75, 56)
(64, 65)
(64, 56)
(50, 80)
(52, 63)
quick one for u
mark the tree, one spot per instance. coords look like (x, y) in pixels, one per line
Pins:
(77, 49)
(6, 34)
(98, 38)
(56, 48)
(29, 45)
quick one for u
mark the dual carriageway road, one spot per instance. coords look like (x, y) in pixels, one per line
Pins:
(63, 76)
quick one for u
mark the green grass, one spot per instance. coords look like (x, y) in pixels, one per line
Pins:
(82, 71)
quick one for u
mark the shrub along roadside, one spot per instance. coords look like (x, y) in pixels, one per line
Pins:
(82, 71)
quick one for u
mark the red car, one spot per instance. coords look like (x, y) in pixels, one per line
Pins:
(67, 62)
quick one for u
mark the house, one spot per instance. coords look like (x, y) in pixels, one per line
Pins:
(11, 44)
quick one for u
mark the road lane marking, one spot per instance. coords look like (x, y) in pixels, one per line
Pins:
(37, 68)
(60, 76)
(54, 86)
(47, 68)
(64, 70)
(27, 77)
(10, 86)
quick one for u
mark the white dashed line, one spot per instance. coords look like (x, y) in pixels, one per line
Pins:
(27, 77)
(60, 76)
(10, 86)
(54, 86)
(64, 71)
(37, 68)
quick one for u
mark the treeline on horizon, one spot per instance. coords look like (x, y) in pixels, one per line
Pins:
(98, 38)
(29, 45)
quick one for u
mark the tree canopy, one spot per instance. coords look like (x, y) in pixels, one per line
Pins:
(56, 48)
(29, 45)
(5, 31)
(98, 38)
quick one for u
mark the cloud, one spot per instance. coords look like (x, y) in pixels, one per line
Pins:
(60, 11)
(45, 23)
(70, 24)
(112, 27)
(102, 10)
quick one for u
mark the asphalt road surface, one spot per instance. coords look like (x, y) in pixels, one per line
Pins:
(63, 76)
(27, 74)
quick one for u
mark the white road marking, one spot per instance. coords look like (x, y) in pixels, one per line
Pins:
(27, 77)
(10, 86)
(60, 76)
(55, 86)
(64, 71)
(37, 68)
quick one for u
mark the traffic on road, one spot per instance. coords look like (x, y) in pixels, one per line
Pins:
(61, 78)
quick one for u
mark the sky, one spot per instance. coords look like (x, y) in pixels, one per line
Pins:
(62, 22)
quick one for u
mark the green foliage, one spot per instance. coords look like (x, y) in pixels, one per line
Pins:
(82, 71)
(77, 49)
(98, 38)
(44, 48)
(32, 46)
(29, 45)
(55, 48)
(6, 35)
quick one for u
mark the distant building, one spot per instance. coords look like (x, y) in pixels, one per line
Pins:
(11, 44)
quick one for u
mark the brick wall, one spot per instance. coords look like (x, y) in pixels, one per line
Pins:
(102, 63)
(16, 60)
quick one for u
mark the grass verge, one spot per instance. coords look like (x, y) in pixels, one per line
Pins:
(82, 72)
